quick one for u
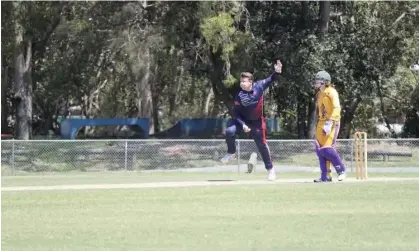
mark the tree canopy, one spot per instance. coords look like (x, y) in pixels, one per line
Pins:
(172, 60)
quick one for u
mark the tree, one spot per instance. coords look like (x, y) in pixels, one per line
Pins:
(171, 60)
(23, 90)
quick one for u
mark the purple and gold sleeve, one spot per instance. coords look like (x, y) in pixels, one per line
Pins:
(336, 108)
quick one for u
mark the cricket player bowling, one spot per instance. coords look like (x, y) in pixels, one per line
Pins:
(327, 129)
(248, 117)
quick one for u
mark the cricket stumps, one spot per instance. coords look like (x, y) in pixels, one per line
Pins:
(360, 155)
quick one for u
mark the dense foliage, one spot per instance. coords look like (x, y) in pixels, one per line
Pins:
(172, 60)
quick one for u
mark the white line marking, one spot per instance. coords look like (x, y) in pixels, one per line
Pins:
(190, 184)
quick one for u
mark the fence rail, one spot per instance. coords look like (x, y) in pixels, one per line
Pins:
(19, 157)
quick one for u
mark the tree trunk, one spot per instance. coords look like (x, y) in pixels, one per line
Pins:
(301, 118)
(23, 92)
(348, 115)
(47, 120)
(215, 108)
(383, 112)
(143, 89)
(217, 76)
(311, 117)
(305, 13)
(324, 17)
(155, 102)
(174, 91)
(208, 102)
(4, 105)
(156, 123)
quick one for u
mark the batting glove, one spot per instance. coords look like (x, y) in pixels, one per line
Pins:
(327, 127)
(246, 129)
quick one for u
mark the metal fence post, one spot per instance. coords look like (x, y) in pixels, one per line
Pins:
(13, 157)
(238, 156)
(352, 155)
(126, 155)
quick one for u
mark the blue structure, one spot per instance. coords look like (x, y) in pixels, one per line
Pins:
(69, 127)
(201, 127)
(195, 128)
(272, 125)
(207, 128)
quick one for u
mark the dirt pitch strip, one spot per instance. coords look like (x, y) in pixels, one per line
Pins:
(191, 184)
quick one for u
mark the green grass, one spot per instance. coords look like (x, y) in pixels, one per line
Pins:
(130, 177)
(76, 178)
(343, 216)
(118, 178)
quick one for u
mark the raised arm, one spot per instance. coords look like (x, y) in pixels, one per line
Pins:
(265, 83)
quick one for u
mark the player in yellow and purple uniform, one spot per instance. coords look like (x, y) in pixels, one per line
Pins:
(327, 130)
(316, 144)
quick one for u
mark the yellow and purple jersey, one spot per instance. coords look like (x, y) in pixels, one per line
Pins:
(328, 104)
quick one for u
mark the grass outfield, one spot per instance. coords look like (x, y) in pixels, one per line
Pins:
(75, 178)
(282, 216)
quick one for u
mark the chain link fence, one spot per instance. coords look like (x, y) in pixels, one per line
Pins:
(34, 156)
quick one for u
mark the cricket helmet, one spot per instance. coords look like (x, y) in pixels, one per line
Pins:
(323, 76)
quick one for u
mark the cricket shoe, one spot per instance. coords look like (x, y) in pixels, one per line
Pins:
(271, 174)
(320, 180)
(228, 157)
(342, 176)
